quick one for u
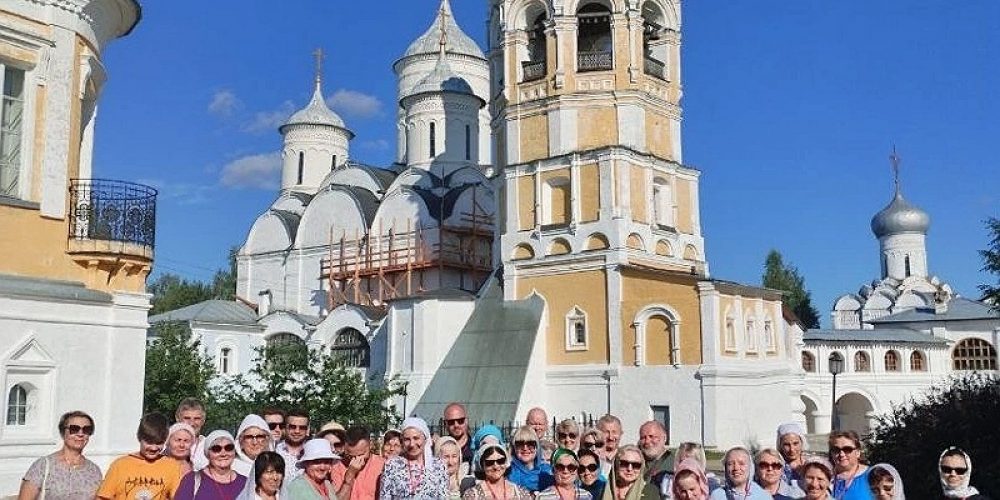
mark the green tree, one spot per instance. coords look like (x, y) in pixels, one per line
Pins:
(176, 368)
(779, 276)
(991, 262)
(171, 292)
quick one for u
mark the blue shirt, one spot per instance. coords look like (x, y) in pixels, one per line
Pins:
(856, 490)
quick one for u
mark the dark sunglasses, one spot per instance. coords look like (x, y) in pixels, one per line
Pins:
(957, 470)
(275, 425)
(847, 450)
(625, 464)
(455, 421)
(293, 427)
(218, 448)
(566, 467)
(491, 463)
(525, 444)
(769, 465)
(77, 429)
(590, 467)
(592, 444)
(255, 437)
(565, 435)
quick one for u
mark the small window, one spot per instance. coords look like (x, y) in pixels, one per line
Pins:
(751, 336)
(891, 361)
(351, 348)
(11, 130)
(302, 167)
(333, 163)
(17, 405)
(862, 363)
(433, 140)
(906, 263)
(225, 360)
(730, 334)
(769, 340)
(661, 414)
(917, 363)
(576, 330)
(468, 142)
(808, 362)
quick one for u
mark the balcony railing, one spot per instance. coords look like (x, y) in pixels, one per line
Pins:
(109, 210)
(533, 70)
(594, 61)
(655, 68)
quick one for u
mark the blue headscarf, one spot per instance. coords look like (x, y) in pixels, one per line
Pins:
(484, 431)
(535, 479)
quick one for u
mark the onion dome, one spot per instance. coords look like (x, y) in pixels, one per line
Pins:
(442, 79)
(458, 41)
(900, 217)
(315, 113)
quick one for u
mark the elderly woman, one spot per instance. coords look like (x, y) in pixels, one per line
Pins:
(739, 484)
(568, 434)
(626, 483)
(527, 469)
(955, 468)
(493, 461)
(218, 480)
(253, 437)
(566, 465)
(591, 478)
(392, 444)
(65, 473)
(689, 481)
(268, 476)
(592, 439)
(487, 434)
(416, 473)
(316, 461)
(851, 480)
(769, 467)
(885, 483)
(817, 474)
(791, 442)
(448, 451)
(180, 440)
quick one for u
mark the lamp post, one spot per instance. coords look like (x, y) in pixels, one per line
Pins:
(836, 362)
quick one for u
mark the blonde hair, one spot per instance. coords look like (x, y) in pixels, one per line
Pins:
(569, 425)
(524, 433)
(691, 450)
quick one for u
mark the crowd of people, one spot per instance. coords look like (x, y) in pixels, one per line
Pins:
(276, 456)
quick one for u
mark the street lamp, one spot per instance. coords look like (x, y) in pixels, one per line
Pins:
(836, 368)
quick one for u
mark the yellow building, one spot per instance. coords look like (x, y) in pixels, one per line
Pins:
(74, 251)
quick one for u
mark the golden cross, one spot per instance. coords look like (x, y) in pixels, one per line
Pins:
(318, 54)
(895, 160)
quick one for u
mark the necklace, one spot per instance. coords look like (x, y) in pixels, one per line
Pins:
(493, 493)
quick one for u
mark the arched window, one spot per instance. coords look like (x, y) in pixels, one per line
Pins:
(534, 67)
(350, 349)
(287, 348)
(751, 336)
(892, 361)
(663, 203)
(730, 339)
(770, 343)
(225, 360)
(433, 141)
(808, 362)
(917, 363)
(17, 405)
(302, 167)
(11, 133)
(333, 163)
(862, 363)
(906, 263)
(974, 354)
(653, 45)
(576, 330)
(468, 142)
(594, 41)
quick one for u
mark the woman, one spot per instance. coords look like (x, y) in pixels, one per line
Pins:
(268, 476)
(568, 434)
(955, 468)
(392, 444)
(180, 440)
(592, 439)
(851, 481)
(414, 474)
(693, 451)
(566, 465)
(591, 478)
(689, 481)
(253, 438)
(218, 480)
(492, 460)
(817, 473)
(527, 469)
(791, 442)
(65, 474)
(885, 483)
(626, 483)
(487, 434)
(738, 465)
(316, 462)
(448, 451)
(769, 468)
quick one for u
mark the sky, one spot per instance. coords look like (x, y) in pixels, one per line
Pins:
(791, 109)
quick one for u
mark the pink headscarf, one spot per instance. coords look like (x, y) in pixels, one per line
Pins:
(692, 465)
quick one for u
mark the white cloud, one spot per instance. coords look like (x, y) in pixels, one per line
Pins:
(264, 121)
(354, 104)
(224, 103)
(376, 145)
(261, 171)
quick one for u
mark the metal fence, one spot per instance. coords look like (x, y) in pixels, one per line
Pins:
(594, 61)
(112, 210)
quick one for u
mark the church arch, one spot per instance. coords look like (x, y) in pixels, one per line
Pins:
(810, 413)
(657, 336)
(691, 253)
(273, 231)
(634, 241)
(892, 362)
(663, 248)
(808, 362)
(918, 362)
(335, 214)
(862, 362)
(856, 412)
(350, 348)
(594, 37)
(597, 241)
(523, 251)
(974, 354)
(559, 246)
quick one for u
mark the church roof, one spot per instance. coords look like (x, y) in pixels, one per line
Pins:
(879, 335)
(959, 309)
(899, 217)
(315, 113)
(367, 201)
(227, 312)
(382, 175)
(442, 79)
(457, 41)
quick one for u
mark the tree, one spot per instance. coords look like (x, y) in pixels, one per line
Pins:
(171, 292)
(991, 262)
(779, 276)
(962, 412)
(176, 368)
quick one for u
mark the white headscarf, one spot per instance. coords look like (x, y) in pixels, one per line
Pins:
(181, 426)
(963, 490)
(215, 436)
(792, 428)
(897, 480)
(420, 425)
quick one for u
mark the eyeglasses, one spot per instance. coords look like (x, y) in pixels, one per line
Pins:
(593, 444)
(218, 448)
(566, 435)
(525, 444)
(957, 470)
(847, 450)
(293, 427)
(491, 463)
(275, 425)
(769, 465)
(566, 467)
(625, 464)
(589, 467)
(255, 437)
(77, 429)
(455, 421)
(338, 444)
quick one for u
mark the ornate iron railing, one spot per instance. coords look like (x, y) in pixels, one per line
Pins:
(110, 210)
(594, 61)
(655, 68)
(533, 70)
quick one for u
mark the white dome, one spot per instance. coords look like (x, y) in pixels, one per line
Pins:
(900, 217)
(457, 41)
(315, 113)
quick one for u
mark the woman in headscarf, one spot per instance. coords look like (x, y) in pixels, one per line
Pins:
(218, 480)
(885, 483)
(693, 451)
(626, 481)
(493, 460)
(180, 441)
(955, 468)
(817, 474)
(448, 451)
(591, 478)
(415, 473)
(487, 434)
(791, 442)
(566, 465)
(253, 437)
(769, 465)
(851, 480)
(689, 481)
(739, 485)
(527, 469)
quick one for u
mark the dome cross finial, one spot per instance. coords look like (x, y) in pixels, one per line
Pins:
(318, 55)
(443, 40)
(895, 160)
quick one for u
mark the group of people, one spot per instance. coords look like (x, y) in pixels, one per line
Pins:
(275, 456)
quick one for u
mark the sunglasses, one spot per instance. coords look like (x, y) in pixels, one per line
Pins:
(218, 448)
(275, 425)
(592, 444)
(338, 444)
(589, 467)
(625, 464)
(491, 463)
(847, 450)
(566, 467)
(566, 435)
(77, 429)
(769, 466)
(255, 437)
(525, 444)
(957, 470)
(455, 421)
(293, 427)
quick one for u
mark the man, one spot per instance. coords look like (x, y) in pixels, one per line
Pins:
(275, 418)
(611, 426)
(358, 471)
(296, 434)
(148, 474)
(192, 412)
(457, 426)
(538, 421)
(653, 443)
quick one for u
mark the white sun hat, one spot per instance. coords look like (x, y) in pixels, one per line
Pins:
(316, 449)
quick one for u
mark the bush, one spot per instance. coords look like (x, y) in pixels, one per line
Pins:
(962, 412)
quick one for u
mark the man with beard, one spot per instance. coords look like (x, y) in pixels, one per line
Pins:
(358, 470)
(296, 434)
(611, 426)
(653, 443)
(457, 426)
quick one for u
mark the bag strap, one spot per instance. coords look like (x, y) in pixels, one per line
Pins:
(45, 479)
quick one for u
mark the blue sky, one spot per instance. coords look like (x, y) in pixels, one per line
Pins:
(790, 112)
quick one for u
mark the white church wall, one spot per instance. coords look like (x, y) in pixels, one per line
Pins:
(745, 402)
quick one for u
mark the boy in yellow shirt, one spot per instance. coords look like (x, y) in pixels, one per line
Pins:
(148, 474)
